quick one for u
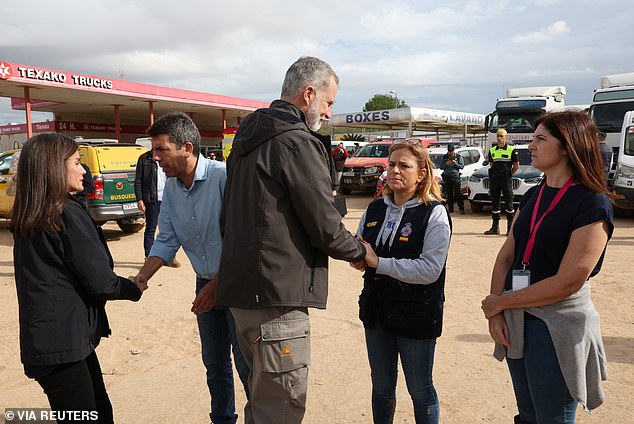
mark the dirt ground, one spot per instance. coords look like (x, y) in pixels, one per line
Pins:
(154, 373)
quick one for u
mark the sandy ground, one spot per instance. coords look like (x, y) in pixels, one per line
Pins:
(154, 373)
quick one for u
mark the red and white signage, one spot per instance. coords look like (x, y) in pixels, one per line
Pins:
(7, 70)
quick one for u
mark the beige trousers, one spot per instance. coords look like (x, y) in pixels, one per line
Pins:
(276, 345)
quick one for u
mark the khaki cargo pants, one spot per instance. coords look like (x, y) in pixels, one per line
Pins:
(276, 345)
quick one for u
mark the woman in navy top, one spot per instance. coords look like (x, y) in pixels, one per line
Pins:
(539, 310)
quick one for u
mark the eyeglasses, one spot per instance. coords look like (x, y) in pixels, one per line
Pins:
(408, 141)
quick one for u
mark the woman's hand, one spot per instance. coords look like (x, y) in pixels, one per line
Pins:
(370, 256)
(491, 305)
(498, 330)
(360, 266)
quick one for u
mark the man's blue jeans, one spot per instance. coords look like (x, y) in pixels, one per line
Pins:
(417, 359)
(152, 211)
(540, 389)
(217, 338)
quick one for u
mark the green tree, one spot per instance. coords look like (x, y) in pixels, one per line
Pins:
(383, 101)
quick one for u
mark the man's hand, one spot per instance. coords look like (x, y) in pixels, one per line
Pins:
(141, 205)
(140, 281)
(206, 297)
(361, 265)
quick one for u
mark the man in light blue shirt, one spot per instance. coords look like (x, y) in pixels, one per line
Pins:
(190, 217)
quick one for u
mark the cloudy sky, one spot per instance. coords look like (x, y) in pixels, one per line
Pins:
(455, 55)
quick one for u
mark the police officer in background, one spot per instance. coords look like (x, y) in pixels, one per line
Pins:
(503, 163)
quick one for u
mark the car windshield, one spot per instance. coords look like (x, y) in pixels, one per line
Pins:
(436, 158)
(518, 123)
(5, 161)
(609, 117)
(524, 156)
(373, 151)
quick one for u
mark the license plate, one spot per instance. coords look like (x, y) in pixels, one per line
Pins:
(129, 206)
(348, 174)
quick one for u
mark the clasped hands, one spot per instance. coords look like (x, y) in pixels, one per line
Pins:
(371, 259)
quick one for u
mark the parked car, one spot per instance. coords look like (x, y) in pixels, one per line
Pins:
(6, 178)
(472, 156)
(362, 171)
(525, 178)
(113, 167)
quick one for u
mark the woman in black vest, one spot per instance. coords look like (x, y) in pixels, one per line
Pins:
(406, 234)
(64, 276)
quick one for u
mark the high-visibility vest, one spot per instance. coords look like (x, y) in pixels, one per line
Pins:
(501, 155)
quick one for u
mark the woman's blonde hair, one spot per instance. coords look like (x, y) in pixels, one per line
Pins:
(428, 188)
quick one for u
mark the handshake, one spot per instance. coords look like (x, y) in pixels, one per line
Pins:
(371, 259)
(140, 281)
(205, 298)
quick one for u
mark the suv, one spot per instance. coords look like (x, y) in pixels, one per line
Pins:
(472, 157)
(525, 178)
(362, 170)
(113, 167)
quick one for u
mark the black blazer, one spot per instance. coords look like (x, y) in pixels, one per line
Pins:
(63, 280)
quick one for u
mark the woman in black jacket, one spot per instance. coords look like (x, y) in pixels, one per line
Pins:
(64, 276)
(406, 236)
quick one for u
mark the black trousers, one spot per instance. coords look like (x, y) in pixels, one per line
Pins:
(78, 386)
(452, 189)
(499, 186)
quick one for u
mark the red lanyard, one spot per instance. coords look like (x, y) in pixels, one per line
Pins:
(534, 227)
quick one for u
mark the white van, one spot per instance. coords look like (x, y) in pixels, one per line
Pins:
(624, 176)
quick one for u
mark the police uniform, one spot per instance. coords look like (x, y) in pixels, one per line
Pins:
(500, 172)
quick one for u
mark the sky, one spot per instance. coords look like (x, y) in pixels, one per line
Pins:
(451, 55)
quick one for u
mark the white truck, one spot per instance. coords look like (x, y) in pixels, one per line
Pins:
(517, 112)
(624, 178)
(608, 108)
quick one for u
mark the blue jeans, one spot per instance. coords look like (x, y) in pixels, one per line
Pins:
(152, 211)
(540, 389)
(417, 359)
(217, 338)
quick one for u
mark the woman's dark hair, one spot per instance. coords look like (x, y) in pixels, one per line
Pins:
(41, 184)
(578, 134)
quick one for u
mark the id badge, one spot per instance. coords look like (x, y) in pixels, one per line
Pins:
(521, 279)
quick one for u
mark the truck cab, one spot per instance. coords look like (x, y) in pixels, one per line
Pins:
(517, 112)
(609, 105)
(624, 177)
